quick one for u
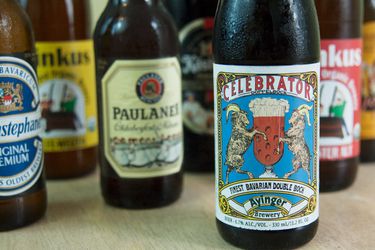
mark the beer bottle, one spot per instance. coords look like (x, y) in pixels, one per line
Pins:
(196, 63)
(66, 72)
(22, 188)
(340, 105)
(266, 82)
(139, 92)
(368, 88)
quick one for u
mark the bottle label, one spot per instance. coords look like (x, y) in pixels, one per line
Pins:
(142, 123)
(267, 132)
(340, 102)
(196, 63)
(67, 88)
(368, 88)
(21, 151)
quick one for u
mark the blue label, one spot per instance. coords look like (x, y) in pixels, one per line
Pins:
(21, 153)
(267, 146)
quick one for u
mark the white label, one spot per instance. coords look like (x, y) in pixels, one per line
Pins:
(266, 143)
(142, 117)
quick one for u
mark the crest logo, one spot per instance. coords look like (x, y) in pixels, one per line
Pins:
(150, 88)
(11, 98)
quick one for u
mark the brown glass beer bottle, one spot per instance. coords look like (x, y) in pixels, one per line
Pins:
(368, 87)
(66, 70)
(139, 92)
(195, 19)
(266, 70)
(22, 188)
(340, 105)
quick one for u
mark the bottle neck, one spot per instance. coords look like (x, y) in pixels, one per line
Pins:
(126, 2)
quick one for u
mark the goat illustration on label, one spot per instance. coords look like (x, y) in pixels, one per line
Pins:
(268, 136)
(267, 146)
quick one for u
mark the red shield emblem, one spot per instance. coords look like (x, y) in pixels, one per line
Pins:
(269, 118)
(269, 152)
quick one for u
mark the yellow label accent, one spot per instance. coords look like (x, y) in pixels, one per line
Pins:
(368, 91)
(368, 125)
(66, 73)
(142, 123)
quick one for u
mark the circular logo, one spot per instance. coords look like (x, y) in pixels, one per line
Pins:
(150, 88)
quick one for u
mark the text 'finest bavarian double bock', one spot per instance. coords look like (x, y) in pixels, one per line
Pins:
(266, 71)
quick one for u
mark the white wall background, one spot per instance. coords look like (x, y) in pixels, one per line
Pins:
(97, 7)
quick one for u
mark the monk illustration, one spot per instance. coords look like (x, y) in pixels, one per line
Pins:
(69, 102)
(338, 106)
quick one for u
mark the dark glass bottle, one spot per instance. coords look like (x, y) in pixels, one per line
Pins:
(179, 11)
(368, 87)
(195, 20)
(67, 85)
(139, 93)
(23, 197)
(341, 33)
(266, 56)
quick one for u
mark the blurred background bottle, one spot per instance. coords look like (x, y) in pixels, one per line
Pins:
(139, 102)
(194, 19)
(23, 198)
(66, 72)
(340, 91)
(368, 88)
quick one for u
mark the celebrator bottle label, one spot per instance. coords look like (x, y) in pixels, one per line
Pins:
(142, 117)
(66, 72)
(196, 63)
(368, 88)
(21, 151)
(340, 102)
(267, 132)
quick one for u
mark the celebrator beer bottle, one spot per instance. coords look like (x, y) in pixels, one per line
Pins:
(266, 104)
(368, 88)
(196, 63)
(340, 106)
(139, 90)
(66, 71)
(22, 188)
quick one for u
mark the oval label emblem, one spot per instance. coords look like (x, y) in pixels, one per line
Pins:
(150, 88)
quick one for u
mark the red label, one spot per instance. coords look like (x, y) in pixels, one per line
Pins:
(209, 23)
(340, 99)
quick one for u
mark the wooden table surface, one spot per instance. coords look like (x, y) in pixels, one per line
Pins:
(78, 218)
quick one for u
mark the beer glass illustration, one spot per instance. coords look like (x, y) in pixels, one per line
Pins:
(269, 117)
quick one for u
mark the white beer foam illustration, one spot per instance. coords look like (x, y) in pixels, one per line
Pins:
(269, 107)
